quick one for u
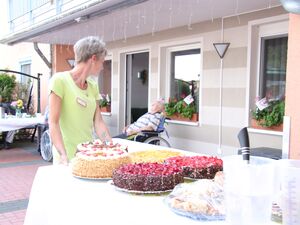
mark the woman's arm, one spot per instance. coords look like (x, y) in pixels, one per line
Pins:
(55, 132)
(100, 127)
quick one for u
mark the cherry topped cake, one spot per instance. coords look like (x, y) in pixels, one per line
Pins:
(197, 167)
(98, 160)
(147, 177)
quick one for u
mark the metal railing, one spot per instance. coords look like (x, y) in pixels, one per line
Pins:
(38, 78)
(19, 8)
(25, 13)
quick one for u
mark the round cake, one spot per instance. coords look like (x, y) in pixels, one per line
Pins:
(152, 156)
(147, 177)
(97, 160)
(197, 167)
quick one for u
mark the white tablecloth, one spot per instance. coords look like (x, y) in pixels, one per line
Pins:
(9, 124)
(57, 198)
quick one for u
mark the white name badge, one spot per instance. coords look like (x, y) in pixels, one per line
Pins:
(81, 102)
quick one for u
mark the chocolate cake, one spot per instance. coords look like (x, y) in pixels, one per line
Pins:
(147, 177)
(197, 167)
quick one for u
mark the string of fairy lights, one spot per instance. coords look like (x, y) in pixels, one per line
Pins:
(117, 26)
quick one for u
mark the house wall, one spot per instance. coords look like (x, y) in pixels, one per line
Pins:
(237, 89)
(61, 53)
(11, 56)
(293, 84)
(203, 137)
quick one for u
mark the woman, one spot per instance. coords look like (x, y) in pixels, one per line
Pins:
(73, 101)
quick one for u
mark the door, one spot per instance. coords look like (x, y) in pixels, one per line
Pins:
(137, 85)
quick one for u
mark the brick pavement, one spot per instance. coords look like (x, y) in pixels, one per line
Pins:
(17, 170)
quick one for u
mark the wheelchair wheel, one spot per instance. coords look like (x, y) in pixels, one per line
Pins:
(46, 146)
(157, 141)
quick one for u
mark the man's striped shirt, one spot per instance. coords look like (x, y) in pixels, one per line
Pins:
(146, 120)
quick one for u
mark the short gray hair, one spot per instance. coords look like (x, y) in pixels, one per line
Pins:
(86, 47)
(161, 105)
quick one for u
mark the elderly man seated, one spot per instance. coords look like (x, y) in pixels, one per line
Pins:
(147, 122)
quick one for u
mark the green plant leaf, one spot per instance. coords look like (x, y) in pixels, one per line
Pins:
(272, 115)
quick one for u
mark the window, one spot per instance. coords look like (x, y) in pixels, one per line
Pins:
(104, 82)
(273, 67)
(185, 66)
(25, 68)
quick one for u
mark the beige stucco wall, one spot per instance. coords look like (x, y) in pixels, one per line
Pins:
(293, 84)
(204, 137)
(11, 56)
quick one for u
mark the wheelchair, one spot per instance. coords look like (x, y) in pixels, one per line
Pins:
(147, 137)
(153, 137)
(46, 146)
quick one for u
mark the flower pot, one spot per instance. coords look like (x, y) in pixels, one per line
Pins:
(256, 125)
(177, 116)
(18, 113)
(105, 109)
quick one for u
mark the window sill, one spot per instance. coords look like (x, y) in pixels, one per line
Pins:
(194, 124)
(106, 113)
(260, 131)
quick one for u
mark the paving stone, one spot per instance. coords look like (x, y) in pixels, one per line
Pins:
(13, 205)
(18, 167)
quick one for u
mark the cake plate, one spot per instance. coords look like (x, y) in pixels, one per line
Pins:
(191, 179)
(92, 178)
(137, 192)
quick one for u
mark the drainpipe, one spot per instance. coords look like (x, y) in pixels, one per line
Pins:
(43, 57)
(51, 59)
(49, 65)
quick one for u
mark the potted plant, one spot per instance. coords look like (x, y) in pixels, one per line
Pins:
(170, 107)
(105, 103)
(7, 85)
(179, 110)
(269, 118)
(18, 106)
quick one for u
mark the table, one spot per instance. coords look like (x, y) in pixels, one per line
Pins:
(57, 198)
(14, 123)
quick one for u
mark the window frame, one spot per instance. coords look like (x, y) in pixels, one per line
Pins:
(109, 56)
(270, 26)
(261, 79)
(183, 47)
(23, 63)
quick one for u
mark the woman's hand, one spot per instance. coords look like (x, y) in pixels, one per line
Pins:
(100, 127)
(64, 160)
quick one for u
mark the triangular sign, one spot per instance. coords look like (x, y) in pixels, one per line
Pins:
(221, 48)
(71, 62)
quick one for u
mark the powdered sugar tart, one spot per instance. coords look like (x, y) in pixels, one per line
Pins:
(152, 155)
(97, 160)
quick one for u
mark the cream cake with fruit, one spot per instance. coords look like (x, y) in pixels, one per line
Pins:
(98, 160)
